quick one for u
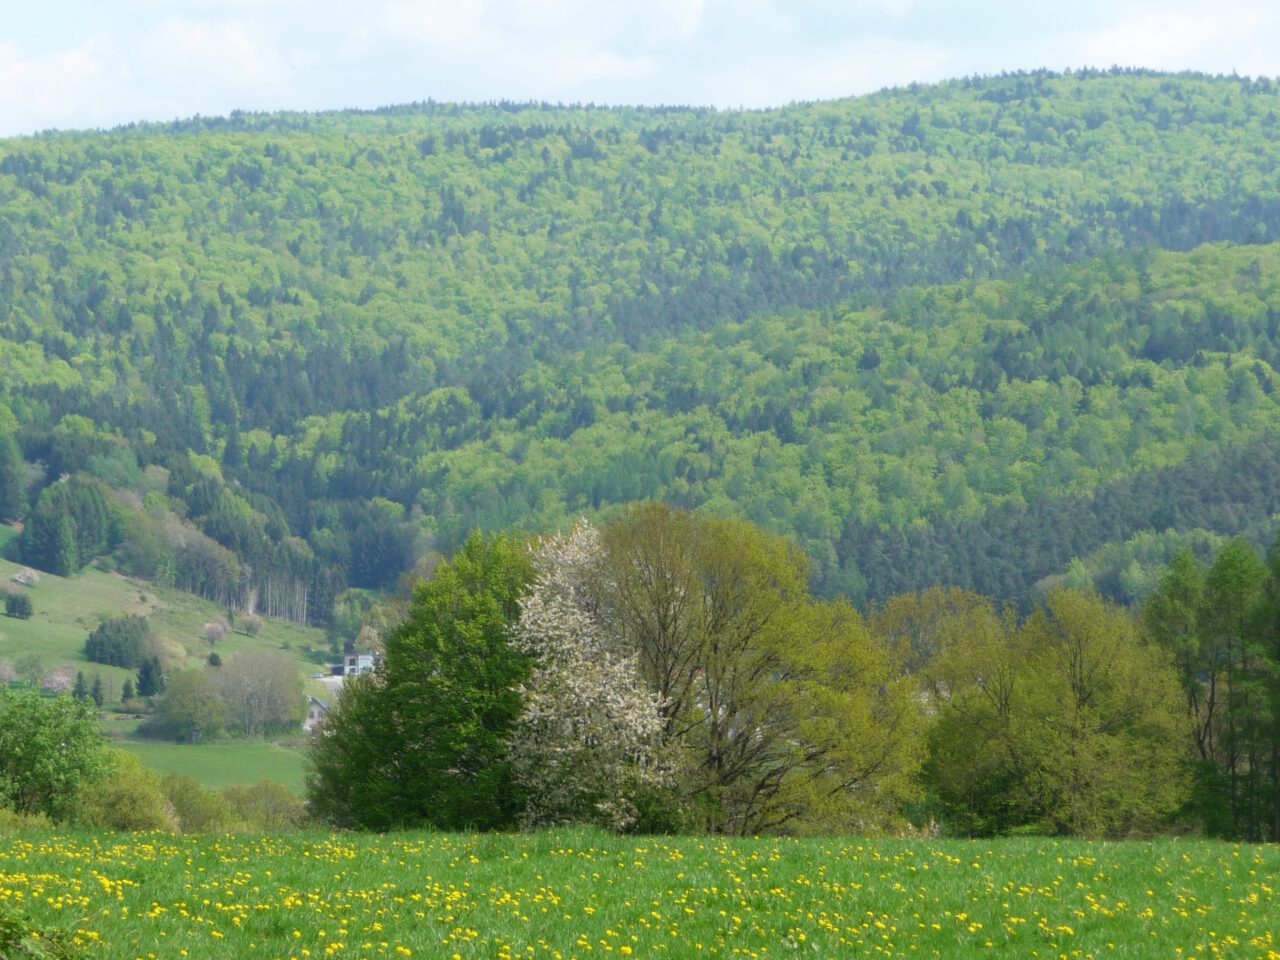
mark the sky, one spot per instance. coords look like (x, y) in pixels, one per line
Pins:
(101, 63)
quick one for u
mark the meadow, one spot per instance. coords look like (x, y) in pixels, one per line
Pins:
(219, 763)
(66, 609)
(584, 894)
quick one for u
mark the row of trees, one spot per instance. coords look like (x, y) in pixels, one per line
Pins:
(670, 671)
(255, 693)
(1221, 622)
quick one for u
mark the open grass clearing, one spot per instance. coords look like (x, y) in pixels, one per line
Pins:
(221, 763)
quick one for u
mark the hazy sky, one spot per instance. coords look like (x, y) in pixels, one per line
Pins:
(100, 63)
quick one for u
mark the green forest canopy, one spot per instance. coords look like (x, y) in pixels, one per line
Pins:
(960, 333)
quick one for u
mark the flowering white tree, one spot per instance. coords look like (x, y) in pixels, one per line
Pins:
(586, 745)
(59, 680)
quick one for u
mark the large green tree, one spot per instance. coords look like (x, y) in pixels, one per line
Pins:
(1069, 723)
(782, 711)
(191, 708)
(588, 743)
(261, 691)
(425, 741)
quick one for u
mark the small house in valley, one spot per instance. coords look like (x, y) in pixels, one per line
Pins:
(354, 664)
(317, 710)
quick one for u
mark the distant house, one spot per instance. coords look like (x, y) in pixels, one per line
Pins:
(316, 712)
(354, 664)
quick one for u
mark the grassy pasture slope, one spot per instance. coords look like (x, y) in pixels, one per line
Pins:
(66, 609)
(579, 894)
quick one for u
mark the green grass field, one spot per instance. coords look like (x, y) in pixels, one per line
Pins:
(580, 894)
(219, 764)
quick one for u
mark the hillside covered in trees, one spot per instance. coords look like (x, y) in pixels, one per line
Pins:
(981, 333)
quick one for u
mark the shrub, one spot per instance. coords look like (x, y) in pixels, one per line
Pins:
(11, 822)
(267, 807)
(198, 810)
(216, 630)
(30, 668)
(58, 680)
(126, 796)
(49, 749)
(18, 605)
(20, 940)
(119, 641)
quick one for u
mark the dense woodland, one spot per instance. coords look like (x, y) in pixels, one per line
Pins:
(997, 333)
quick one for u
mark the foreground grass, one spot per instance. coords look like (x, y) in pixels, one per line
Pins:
(583, 894)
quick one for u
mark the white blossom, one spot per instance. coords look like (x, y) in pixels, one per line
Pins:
(587, 740)
(59, 680)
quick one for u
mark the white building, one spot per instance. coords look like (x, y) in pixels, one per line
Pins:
(316, 713)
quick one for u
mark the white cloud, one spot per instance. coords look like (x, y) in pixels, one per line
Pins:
(868, 64)
(1179, 36)
(537, 48)
(896, 8)
(438, 23)
(230, 52)
(834, 71)
(546, 28)
(53, 89)
(584, 66)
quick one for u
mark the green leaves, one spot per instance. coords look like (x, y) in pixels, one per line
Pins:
(49, 750)
(1068, 723)
(839, 321)
(424, 741)
(20, 939)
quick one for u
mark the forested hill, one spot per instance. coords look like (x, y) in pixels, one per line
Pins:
(277, 355)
